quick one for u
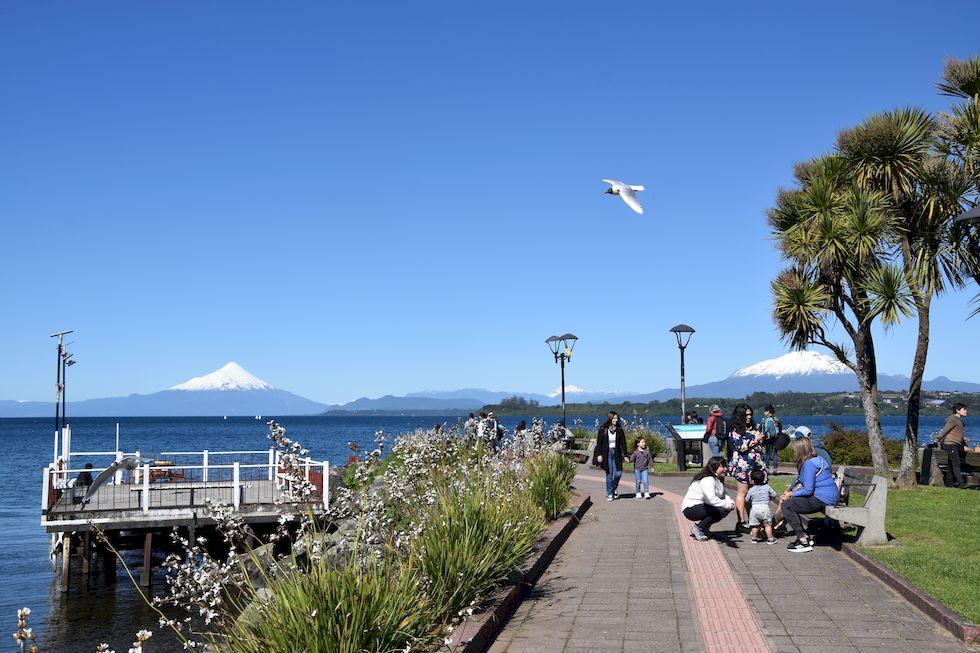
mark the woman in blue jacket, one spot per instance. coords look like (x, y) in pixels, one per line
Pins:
(815, 491)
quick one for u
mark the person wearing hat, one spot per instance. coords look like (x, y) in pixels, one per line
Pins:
(818, 448)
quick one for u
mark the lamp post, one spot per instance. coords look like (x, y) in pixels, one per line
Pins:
(58, 386)
(561, 347)
(683, 333)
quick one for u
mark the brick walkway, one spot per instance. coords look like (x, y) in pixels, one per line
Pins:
(630, 578)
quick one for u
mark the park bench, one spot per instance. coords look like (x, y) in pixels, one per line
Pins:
(870, 517)
(579, 455)
(969, 466)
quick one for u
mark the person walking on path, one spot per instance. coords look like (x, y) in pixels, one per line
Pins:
(469, 429)
(610, 451)
(746, 448)
(815, 491)
(951, 439)
(770, 429)
(715, 419)
(760, 515)
(706, 501)
(642, 461)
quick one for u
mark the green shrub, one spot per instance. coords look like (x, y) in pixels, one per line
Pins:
(851, 447)
(472, 543)
(551, 477)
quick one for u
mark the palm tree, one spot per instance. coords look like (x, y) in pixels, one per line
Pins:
(893, 153)
(835, 232)
(958, 139)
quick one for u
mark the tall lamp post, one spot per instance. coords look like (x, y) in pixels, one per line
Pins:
(58, 386)
(561, 347)
(683, 333)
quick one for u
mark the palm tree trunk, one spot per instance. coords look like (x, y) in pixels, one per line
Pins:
(867, 373)
(910, 449)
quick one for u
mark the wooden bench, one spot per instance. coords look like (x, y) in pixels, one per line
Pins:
(870, 517)
(970, 465)
(580, 455)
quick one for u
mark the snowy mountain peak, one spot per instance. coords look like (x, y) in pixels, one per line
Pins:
(230, 377)
(796, 363)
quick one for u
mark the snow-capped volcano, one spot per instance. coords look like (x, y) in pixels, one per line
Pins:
(796, 363)
(230, 377)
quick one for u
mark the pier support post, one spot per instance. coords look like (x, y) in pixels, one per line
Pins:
(147, 555)
(65, 561)
(86, 551)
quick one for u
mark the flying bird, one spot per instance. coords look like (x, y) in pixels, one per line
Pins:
(127, 463)
(627, 192)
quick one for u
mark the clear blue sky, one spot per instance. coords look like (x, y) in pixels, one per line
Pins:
(354, 199)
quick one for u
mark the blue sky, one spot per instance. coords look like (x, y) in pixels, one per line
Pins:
(354, 199)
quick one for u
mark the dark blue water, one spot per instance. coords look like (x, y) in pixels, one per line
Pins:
(113, 612)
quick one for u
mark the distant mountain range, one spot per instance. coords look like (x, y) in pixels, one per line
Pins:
(228, 391)
(232, 390)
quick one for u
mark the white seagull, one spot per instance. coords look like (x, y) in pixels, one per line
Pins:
(627, 192)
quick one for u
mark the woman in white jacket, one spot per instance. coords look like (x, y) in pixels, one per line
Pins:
(706, 502)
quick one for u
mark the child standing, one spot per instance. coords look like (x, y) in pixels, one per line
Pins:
(642, 462)
(759, 494)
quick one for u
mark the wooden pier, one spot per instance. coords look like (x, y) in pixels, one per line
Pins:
(170, 493)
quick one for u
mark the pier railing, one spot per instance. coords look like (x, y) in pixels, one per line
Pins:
(181, 479)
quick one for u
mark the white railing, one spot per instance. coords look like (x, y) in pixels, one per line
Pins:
(150, 479)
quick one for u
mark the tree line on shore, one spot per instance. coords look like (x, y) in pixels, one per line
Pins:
(786, 403)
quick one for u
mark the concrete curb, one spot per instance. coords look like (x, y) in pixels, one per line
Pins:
(477, 634)
(966, 631)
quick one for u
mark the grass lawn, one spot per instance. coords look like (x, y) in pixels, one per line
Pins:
(938, 530)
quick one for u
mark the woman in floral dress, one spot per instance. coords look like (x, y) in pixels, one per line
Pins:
(747, 454)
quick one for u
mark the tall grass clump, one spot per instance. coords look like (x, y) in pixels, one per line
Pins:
(473, 542)
(375, 606)
(551, 477)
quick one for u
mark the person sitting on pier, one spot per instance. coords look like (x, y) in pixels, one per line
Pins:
(84, 478)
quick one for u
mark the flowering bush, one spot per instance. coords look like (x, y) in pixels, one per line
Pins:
(411, 544)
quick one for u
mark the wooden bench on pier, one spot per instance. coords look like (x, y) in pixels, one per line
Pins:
(870, 517)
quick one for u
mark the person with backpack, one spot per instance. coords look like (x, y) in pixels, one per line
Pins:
(770, 430)
(610, 451)
(815, 491)
(715, 431)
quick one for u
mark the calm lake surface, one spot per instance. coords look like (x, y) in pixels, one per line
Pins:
(110, 609)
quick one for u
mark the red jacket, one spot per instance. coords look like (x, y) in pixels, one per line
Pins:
(709, 428)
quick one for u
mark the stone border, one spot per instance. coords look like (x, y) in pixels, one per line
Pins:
(477, 634)
(966, 631)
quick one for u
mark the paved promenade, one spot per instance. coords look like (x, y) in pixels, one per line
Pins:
(630, 578)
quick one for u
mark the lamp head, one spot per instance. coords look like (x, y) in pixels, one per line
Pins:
(683, 334)
(553, 342)
(568, 344)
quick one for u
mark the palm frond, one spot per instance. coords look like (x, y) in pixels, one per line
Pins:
(888, 295)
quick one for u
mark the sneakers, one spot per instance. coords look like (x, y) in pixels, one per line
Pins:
(609, 497)
(758, 540)
(647, 495)
(799, 546)
(771, 540)
(698, 534)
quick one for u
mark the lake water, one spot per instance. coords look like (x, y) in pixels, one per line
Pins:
(102, 610)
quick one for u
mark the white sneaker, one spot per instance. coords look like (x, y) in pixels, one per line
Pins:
(646, 495)
(609, 497)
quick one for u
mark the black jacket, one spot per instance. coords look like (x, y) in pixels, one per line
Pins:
(602, 448)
